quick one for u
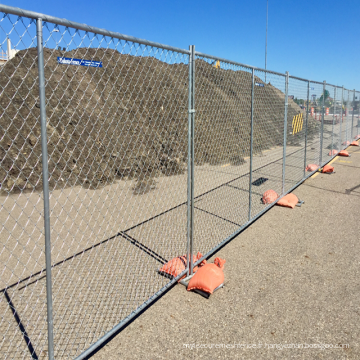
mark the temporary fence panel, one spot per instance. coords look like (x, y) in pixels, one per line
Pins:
(22, 251)
(268, 137)
(353, 115)
(329, 125)
(314, 144)
(222, 145)
(332, 119)
(344, 132)
(117, 116)
(300, 128)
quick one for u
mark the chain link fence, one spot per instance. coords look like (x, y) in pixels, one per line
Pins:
(118, 155)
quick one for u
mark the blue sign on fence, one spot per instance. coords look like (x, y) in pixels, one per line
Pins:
(78, 62)
(259, 84)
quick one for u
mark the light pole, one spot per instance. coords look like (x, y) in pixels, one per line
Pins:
(55, 31)
(267, 10)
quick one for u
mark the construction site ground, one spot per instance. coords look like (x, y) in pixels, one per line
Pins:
(105, 240)
(291, 279)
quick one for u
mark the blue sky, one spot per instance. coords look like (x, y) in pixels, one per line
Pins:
(316, 40)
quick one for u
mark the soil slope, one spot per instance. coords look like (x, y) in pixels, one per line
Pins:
(127, 119)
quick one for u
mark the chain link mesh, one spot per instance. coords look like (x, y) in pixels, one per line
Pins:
(117, 143)
(329, 143)
(222, 140)
(297, 128)
(268, 134)
(22, 244)
(344, 123)
(314, 151)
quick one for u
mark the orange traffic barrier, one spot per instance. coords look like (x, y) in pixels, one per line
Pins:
(333, 152)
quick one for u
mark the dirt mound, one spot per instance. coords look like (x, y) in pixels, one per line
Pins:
(126, 119)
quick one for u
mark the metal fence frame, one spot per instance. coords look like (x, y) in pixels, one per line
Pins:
(193, 55)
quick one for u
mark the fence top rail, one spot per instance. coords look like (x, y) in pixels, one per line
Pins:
(318, 82)
(312, 81)
(298, 78)
(336, 86)
(197, 53)
(58, 21)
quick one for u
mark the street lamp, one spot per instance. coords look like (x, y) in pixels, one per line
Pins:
(267, 10)
(55, 31)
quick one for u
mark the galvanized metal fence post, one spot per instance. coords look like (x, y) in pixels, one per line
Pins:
(251, 139)
(306, 125)
(45, 177)
(191, 129)
(333, 124)
(322, 125)
(347, 116)
(352, 117)
(285, 130)
(358, 119)
(341, 115)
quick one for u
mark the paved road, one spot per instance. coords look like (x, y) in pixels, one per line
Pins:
(291, 278)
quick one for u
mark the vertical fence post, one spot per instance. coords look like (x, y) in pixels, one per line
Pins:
(45, 177)
(341, 116)
(347, 115)
(251, 139)
(333, 124)
(322, 125)
(306, 125)
(358, 119)
(192, 155)
(352, 117)
(285, 130)
(191, 128)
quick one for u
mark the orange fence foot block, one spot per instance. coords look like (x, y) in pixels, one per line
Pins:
(209, 277)
(333, 152)
(343, 153)
(289, 200)
(311, 167)
(328, 169)
(269, 196)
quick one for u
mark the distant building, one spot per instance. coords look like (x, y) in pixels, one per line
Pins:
(5, 56)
